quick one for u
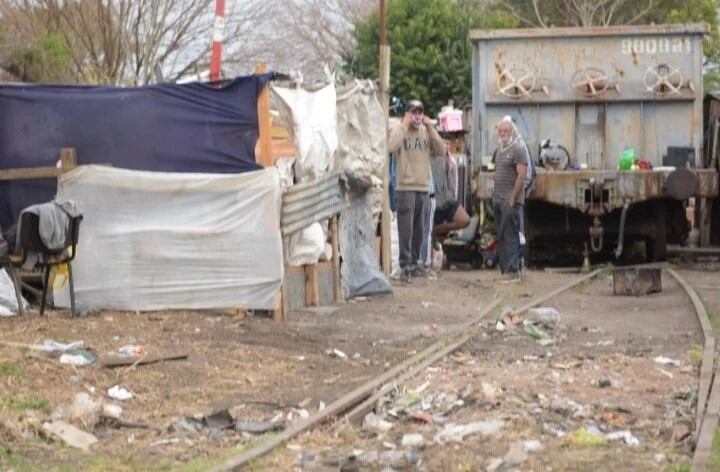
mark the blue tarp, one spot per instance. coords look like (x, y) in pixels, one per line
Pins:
(171, 128)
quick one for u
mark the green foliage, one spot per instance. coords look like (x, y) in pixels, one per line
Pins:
(46, 59)
(10, 370)
(431, 55)
(430, 51)
(31, 402)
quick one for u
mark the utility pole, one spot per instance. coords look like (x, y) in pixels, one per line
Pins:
(218, 36)
(386, 215)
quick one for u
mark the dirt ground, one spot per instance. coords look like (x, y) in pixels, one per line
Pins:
(599, 374)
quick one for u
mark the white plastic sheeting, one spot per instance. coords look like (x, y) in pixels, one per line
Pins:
(314, 127)
(152, 240)
(312, 117)
(362, 134)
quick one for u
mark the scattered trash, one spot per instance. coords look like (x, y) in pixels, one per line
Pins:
(389, 445)
(546, 314)
(426, 305)
(321, 406)
(186, 426)
(51, 346)
(83, 410)
(604, 383)
(336, 353)
(412, 440)
(534, 331)
(220, 419)
(660, 458)
(567, 407)
(303, 413)
(257, 427)
(457, 432)
(625, 436)
(494, 465)
(69, 434)
(119, 393)
(425, 417)
(545, 342)
(667, 361)
(532, 445)
(586, 437)
(664, 372)
(78, 358)
(130, 350)
(516, 455)
(112, 410)
(376, 424)
(490, 392)
(500, 326)
(163, 442)
(567, 365)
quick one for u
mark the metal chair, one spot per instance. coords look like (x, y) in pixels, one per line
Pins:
(29, 241)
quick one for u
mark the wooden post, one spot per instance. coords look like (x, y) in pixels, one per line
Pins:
(264, 123)
(335, 243)
(266, 160)
(705, 220)
(386, 215)
(68, 158)
(312, 290)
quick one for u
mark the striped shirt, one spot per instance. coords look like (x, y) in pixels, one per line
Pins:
(506, 171)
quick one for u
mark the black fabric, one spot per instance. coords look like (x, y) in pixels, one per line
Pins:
(169, 127)
(446, 215)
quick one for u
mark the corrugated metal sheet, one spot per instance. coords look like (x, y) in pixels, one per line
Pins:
(310, 202)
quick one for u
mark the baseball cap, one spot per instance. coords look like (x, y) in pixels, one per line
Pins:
(415, 105)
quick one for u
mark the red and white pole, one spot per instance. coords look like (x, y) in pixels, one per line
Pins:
(218, 36)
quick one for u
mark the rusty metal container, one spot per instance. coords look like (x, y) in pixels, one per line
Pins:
(596, 92)
(637, 281)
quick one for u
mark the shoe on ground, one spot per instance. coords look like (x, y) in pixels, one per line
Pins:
(405, 275)
(421, 271)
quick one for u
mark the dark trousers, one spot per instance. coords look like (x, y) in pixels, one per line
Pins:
(507, 225)
(411, 215)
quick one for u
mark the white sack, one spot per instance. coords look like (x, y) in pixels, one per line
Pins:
(154, 240)
(314, 128)
(305, 246)
(8, 300)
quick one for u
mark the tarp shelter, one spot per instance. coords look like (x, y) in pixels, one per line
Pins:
(184, 218)
(158, 240)
(169, 127)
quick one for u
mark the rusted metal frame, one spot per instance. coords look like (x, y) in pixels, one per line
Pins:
(708, 404)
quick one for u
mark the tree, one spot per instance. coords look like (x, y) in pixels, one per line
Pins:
(124, 41)
(431, 54)
(545, 13)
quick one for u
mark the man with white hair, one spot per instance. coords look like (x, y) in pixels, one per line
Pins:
(511, 160)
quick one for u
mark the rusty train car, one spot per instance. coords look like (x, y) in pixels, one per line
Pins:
(598, 93)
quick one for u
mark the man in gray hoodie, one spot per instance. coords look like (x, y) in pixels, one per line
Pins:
(414, 141)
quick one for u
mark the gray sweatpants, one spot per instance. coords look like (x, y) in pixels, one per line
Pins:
(411, 214)
(507, 225)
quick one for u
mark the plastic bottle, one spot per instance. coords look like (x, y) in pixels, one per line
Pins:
(627, 159)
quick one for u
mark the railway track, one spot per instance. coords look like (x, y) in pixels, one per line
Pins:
(355, 404)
